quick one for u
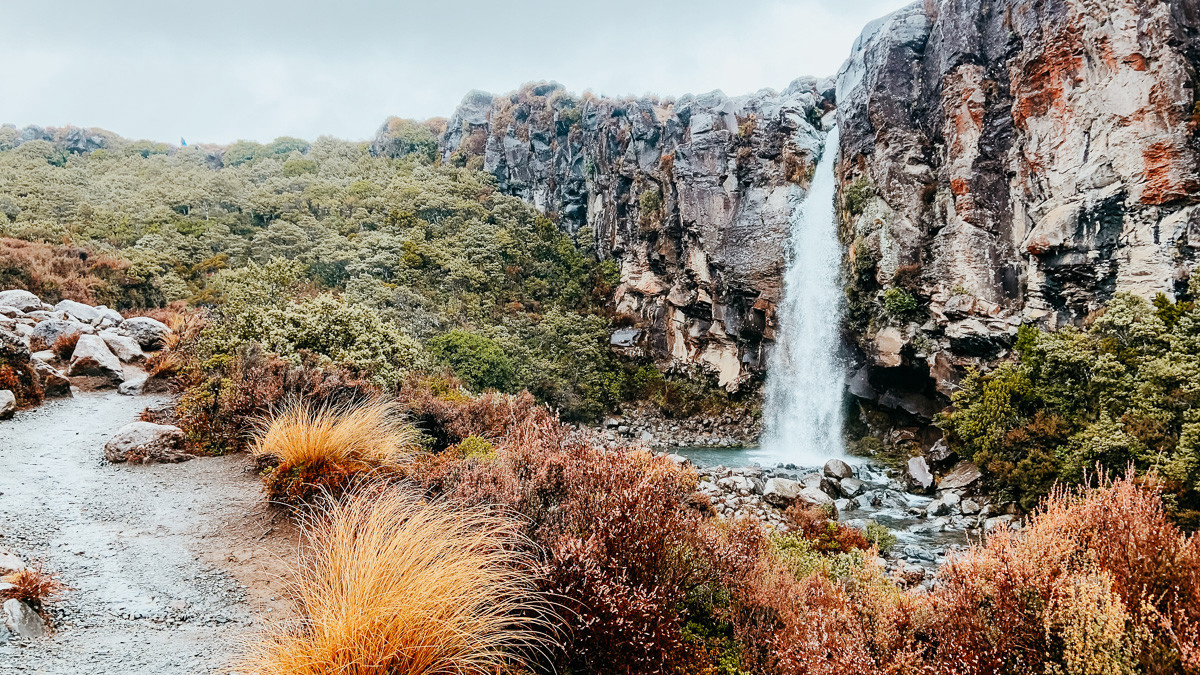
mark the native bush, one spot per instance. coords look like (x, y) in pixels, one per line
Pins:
(1119, 392)
(476, 359)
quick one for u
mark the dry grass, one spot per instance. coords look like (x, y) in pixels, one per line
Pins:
(390, 585)
(372, 433)
(319, 448)
(32, 587)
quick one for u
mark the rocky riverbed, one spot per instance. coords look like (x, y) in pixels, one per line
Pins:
(929, 521)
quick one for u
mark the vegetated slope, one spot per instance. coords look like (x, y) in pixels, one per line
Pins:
(297, 239)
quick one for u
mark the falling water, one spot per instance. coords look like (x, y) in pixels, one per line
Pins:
(803, 405)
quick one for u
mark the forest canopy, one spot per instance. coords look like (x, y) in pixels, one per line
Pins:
(288, 241)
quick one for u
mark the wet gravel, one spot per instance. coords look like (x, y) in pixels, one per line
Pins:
(127, 540)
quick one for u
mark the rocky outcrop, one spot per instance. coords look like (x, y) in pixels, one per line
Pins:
(690, 197)
(1006, 163)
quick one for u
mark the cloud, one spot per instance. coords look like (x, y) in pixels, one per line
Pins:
(228, 69)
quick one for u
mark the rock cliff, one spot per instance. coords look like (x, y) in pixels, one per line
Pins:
(1010, 162)
(692, 197)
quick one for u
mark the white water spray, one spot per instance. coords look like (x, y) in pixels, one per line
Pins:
(803, 405)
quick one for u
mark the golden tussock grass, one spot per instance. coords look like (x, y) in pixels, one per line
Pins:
(387, 584)
(369, 434)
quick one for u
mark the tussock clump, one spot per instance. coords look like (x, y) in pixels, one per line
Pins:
(318, 448)
(32, 587)
(391, 585)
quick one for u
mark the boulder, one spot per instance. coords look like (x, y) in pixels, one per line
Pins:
(8, 404)
(941, 454)
(969, 507)
(919, 477)
(781, 492)
(78, 311)
(54, 382)
(46, 334)
(146, 442)
(22, 300)
(109, 317)
(836, 468)
(126, 348)
(962, 475)
(851, 487)
(943, 505)
(93, 358)
(149, 333)
(814, 496)
(134, 386)
(22, 620)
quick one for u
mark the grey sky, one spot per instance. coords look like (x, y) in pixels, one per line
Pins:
(220, 70)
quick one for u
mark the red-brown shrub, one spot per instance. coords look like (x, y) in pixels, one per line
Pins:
(617, 537)
(56, 273)
(828, 536)
(219, 412)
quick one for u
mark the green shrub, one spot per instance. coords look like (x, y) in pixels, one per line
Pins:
(476, 359)
(856, 195)
(899, 302)
(475, 447)
(879, 536)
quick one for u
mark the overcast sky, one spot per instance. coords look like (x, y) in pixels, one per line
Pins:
(221, 70)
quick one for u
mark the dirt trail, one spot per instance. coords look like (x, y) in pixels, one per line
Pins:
(168, 565)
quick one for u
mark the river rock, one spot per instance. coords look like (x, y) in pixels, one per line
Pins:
(814, 496)
(109, 317)
(146, 442)
(781, 492)
(851, 487)
(78, 311)
(969, 507)
(962, 475)
(54, 382)
(836, 468)
(919, 477)
(22, 620)
(22, 300)
(124, 347)
(940, 454)
(943, 505)
(8, 404)
(92, 357)
(47, 333)
(149, 333)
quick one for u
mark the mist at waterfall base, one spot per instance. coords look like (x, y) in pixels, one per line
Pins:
(802, 405)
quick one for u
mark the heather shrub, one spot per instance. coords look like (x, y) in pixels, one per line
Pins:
(1100, 581)
(221, 403)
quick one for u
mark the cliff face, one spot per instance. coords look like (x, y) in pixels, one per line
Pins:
(692, 197)
(1011, 162)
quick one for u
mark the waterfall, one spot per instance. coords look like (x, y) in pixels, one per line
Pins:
(803, 405)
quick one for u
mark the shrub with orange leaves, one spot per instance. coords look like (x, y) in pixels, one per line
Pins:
(1099, 581)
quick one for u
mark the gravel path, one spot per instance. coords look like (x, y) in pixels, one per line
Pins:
(168, 565)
